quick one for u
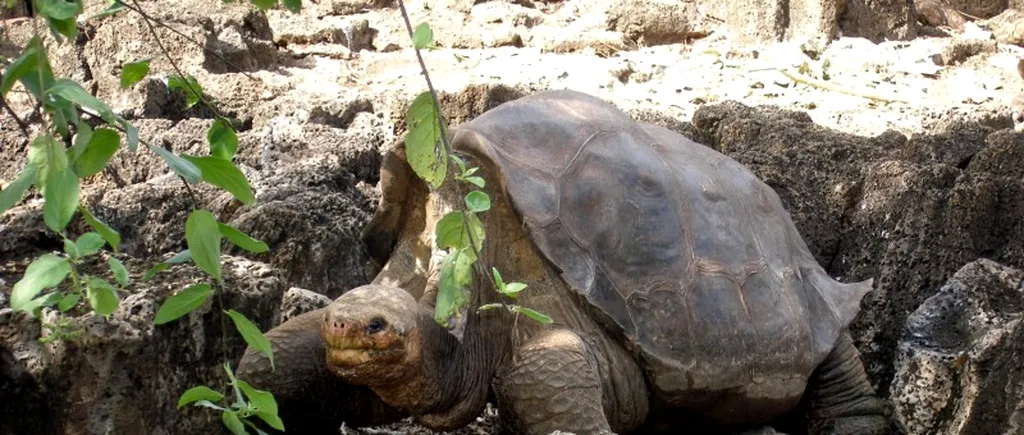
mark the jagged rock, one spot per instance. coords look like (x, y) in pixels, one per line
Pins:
(878, 20)
(652, 22)
(960, 360)
(297, 301)
(1007, 27)
(124, 374)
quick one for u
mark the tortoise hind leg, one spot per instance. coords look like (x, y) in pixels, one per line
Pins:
(840, 398)
(310, 399)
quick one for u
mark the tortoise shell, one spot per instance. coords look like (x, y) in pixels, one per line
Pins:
(678, 249)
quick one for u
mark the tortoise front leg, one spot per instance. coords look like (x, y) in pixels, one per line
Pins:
(840, 398)
(311, 400)
(551, 385)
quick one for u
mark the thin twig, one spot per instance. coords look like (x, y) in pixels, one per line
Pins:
(836, 88)
(447, 145)
(148, 17)
(188, 189)
(174, 65)
(433, 92)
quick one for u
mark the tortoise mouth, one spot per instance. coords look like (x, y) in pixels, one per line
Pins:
(350, 352)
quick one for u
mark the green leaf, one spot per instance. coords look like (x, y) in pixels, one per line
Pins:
(102, 296)
(476, 181)
(535, 315)
(178, 258)
(132, 132)
(295, 6)
(230, 418)
(223, 139)
(224, 174)
(180, 166)
(264, 4)
(73, 92)
(486, 307)
(42, 301)
(114, 7)
(119, 271)
(156, 269)
(61, 199)
(102, 146)
(89, 243)
(111, 236)
(82, 137)
(203, 236)
(71, 249)
(13, 193)
(59, 9)
(456, 274)
(426, 158)
(478, 201)
(44, 272)
(132, 72)
(68, 302)
(423, 36)
(182, 303)
(497, 278)
(196, 394)
(242, 240)
(252, 335)
(31, 67)
(450, 231)
(263, 401)
(512, 289)
(193, 91)
(48, 157)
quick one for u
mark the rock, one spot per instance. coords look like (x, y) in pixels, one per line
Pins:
(315, 195)
(960, 50)
(1007, 27)
(879, 20)
(938, 13)
(298, 301)
(453, 5)
(125, 374)
(349, 7)
(815, 171)
(814, 19)
(651, 22)
(979, 8)
(353, 33)
(505, 12)
(960, 360)
(954, 147)
(958, 215)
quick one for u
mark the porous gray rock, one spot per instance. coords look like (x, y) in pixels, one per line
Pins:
(879, 20)
(960, 360)
(297, 301)
(125, 374)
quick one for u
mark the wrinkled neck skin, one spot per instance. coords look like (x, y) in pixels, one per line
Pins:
(448, 386)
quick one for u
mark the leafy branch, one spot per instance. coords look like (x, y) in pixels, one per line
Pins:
(460, 232)
(68, 150)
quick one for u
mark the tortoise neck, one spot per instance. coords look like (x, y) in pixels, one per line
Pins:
(458, 374)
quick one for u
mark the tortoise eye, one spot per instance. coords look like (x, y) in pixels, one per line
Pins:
(376, 325)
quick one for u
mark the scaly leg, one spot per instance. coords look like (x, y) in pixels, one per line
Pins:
(551, 385)
(840, 398)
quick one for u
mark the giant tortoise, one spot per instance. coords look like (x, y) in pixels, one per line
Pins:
(681, 292)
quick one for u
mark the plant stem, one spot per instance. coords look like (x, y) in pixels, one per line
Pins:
(148, 17)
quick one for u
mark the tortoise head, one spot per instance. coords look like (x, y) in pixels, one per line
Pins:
(371, 335)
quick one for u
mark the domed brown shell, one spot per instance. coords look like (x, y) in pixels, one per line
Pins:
(679, 248)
